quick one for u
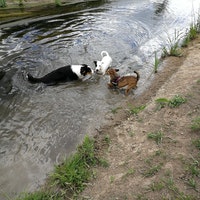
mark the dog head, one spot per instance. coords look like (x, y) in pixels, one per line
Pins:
(112, 72)
(86, 71)
(99, 67)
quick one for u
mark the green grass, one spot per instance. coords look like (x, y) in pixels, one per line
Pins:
(156, 136)
(39, 196)
(104, 163)
(129, 173)
(176, 101)
(196, 124)
(192, 183)
(152, 170)
(162, 102)
(197, 143)
(192, 32)
(173, 45)
(75, 172)
(136, 110)
(157, 186)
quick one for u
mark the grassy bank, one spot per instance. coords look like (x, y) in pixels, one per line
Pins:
(70, 177)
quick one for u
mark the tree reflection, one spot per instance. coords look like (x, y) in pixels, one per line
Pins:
(161, 7)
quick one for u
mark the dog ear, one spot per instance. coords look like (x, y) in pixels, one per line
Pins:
(95, 62)
(116, 70)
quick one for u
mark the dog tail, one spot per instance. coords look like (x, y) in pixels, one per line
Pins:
(138, 75)
(104, 53)
(31, 79)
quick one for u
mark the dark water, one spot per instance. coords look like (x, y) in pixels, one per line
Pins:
(39, 125)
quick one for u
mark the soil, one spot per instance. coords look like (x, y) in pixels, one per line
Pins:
(139, 167)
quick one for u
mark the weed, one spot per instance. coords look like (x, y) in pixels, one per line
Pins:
(129, 173)
(74, 172)
(182, 196)
(169, 182)
(112, 179)
(141, 197)
(107, 139)
(156, 136)
(152, 170)
(193, 169)
(103, 162)
(38, 196)
(196, 124)
(196, 143)
(192, 183)
(156, 186)
(131, 133)
(136, 110)
(191, 34)
(162, 102)
(176, 101)
(173, 48)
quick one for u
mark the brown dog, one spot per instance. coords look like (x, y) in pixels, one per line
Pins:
(116, 81)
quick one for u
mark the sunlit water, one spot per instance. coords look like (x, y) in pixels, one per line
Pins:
(39, 125)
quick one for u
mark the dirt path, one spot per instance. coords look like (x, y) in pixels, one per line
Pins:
(141, 168)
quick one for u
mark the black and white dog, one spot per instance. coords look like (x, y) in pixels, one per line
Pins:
(64, 74)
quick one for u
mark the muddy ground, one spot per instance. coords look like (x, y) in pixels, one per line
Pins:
(138, 166)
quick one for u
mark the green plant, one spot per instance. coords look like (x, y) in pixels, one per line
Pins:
(197, 143)
(173, 48)
(3, 3)
(176, 101)
(156, 136)
(157, 186)
(191, 34)
(103, 162)
(192, 183)
(136, 110)
(38, 196)
(112, 179)
(152, 170)
(58, 3)
(131, 133)
(74, 172)
(129, 173)
(193, 169)
(162, 102)
(196, 124)
(169, 182)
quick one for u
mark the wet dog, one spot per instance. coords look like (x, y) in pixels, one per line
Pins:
(64, 74)
(102, 66)
(130, 82)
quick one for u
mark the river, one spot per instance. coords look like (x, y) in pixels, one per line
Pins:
(40, 125)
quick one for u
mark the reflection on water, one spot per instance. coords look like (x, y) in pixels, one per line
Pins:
(41, 125)
(161, 7)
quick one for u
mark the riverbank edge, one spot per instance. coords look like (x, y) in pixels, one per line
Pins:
(13, 11)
